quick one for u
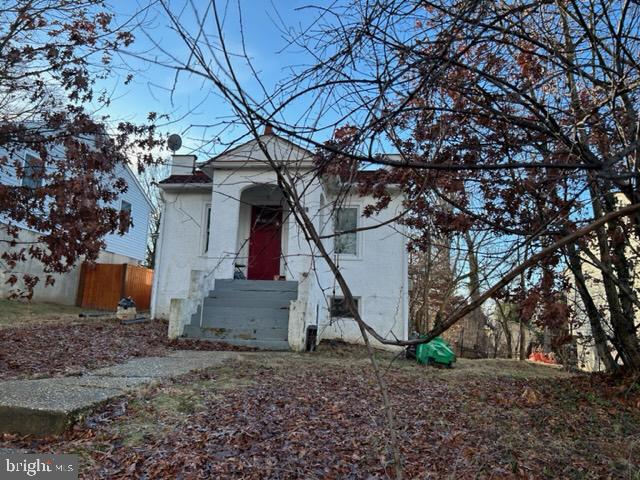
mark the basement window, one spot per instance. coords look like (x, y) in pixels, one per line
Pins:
(339, 308)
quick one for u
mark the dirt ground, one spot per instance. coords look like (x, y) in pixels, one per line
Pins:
(319, 415)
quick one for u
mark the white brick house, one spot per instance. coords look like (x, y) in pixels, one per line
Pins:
(229, 216)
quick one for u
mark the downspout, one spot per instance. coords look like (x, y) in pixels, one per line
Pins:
(405, 286)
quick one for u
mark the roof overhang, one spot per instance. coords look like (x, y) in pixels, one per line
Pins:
(185, 186)
(255, 165)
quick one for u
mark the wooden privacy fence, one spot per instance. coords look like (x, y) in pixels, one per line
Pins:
(102, 285)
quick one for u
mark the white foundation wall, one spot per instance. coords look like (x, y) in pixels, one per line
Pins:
(181, 247)
(377, 276)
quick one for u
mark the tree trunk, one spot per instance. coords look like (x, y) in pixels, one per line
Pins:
(522, 340)
(620, 309)
(504, 323)
(426, 289)
(508, 339)
(477, 316)
(593, 314)
(522, 355)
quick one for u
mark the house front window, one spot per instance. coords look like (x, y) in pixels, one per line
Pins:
(346, 220)
(207, 230)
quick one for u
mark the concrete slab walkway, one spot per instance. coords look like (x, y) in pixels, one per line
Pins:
(49, 406)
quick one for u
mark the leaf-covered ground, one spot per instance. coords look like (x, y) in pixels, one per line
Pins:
(74, 345)
(319, 416)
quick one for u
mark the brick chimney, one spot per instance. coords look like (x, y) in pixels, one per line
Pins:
(268, 129)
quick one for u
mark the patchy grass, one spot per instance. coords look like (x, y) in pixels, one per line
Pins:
(506, 368)
(335, 350)
(16, 313)
(285, 415)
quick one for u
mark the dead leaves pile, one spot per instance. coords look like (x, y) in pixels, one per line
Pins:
(70, 349)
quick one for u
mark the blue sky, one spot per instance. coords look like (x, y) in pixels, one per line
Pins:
(194, 101)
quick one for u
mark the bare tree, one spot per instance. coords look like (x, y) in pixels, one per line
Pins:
(492, 105)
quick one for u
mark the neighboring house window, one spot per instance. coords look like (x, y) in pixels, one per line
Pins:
(346, 219)
(125, 209)
(208, 229)
(33, 172)
(339, 307)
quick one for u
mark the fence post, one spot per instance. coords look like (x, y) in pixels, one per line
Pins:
(81, 280)
(123, 285)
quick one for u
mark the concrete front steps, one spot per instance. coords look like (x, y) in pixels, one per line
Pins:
(251, 313)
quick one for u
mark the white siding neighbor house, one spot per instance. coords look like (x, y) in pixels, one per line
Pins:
(129, 248)
(232, 264)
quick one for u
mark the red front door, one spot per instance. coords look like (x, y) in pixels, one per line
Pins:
(264, 243)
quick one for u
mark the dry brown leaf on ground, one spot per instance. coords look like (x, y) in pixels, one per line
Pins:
(530, 397)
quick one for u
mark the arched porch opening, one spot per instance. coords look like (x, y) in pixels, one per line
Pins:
(262, 241)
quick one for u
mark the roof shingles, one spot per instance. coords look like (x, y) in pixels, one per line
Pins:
(198, 177)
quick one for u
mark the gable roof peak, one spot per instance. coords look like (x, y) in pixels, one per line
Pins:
(250, 153)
